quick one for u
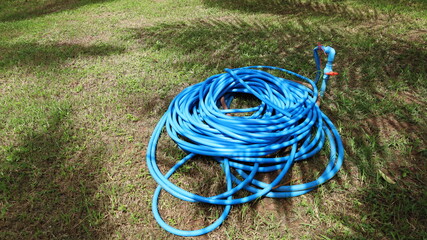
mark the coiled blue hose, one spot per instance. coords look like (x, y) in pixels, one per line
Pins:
(287, 119)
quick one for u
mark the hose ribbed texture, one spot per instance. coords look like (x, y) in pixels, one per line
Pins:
(287, 121)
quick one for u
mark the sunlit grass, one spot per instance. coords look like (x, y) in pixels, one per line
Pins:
(83, 83)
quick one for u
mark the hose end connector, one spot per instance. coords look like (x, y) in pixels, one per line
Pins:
(327, 71)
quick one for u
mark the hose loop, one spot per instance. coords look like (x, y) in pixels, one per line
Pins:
(286, 127)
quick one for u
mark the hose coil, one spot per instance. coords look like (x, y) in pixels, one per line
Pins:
(247, 140)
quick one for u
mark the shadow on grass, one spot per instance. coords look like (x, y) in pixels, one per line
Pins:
(371, 10)
(389, 154)
(384, 212)
(234, 42)
(29, 55)
(15, 10)
(294, 7)
(371, 65)
(49, 183)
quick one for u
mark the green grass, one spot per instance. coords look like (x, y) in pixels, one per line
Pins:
(83, 83)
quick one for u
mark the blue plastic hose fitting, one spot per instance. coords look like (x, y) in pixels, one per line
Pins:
(328, 68)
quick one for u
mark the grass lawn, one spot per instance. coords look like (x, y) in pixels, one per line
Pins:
(83, 83)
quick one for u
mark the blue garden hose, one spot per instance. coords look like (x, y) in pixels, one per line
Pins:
(288, 120)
